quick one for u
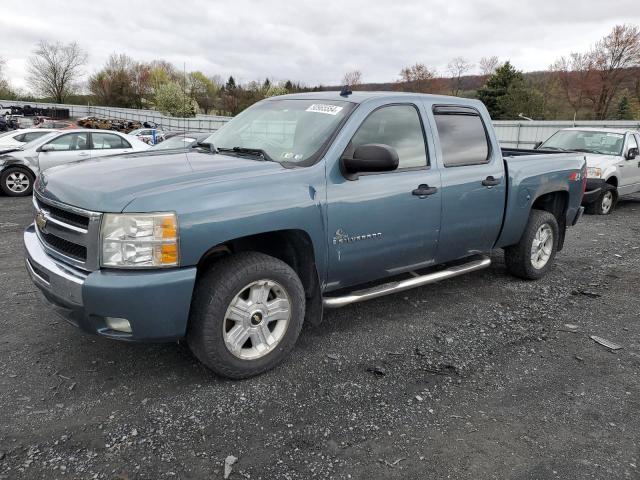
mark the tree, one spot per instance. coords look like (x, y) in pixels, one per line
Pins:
(498, 85)
(488, 65)
(353, 78)
(114, 85)
(624, 109)
(574, 76)
(275, 90)
(613, 57)
(170, 99)
(203, 90)
(5, 90)
(418, 77)
(54, 69)
(520, 99)
(457, 67)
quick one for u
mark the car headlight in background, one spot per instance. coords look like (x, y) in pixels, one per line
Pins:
(132, 240)
(593, 172)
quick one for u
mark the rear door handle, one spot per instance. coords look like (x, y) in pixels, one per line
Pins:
(423, 190)
(490, 181)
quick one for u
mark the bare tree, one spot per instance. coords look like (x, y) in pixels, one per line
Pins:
(353, 78)
(418, 77)
(612, 58)
(5, 91)
(54, 69)
(488, 65)
(457, 67)
(574, 75)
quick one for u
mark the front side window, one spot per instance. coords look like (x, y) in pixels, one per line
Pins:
(102, 141)
(70, 141)
(287, 131)
(463, 139)
(588, 141)
(399, 127)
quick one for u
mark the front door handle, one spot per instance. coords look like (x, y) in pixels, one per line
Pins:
(423, 190)
(490, 181)
(83, 154)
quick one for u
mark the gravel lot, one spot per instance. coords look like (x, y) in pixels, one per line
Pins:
(476, 377)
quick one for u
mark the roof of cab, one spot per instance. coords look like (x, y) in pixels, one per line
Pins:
(362, 96)
(620, 131)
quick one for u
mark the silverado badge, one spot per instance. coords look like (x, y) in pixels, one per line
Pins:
(343, 237)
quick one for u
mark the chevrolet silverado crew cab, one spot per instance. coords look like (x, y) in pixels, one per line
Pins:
(613, 163)
(292, 207)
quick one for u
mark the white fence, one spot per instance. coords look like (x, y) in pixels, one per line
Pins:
(525, 134)
(511, 133)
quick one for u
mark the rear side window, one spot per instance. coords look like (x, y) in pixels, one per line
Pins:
(463, 138)
(102, 141)
(399, 127)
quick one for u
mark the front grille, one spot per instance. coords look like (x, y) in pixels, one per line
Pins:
(70, 234)
(77, 252)
(66, 216)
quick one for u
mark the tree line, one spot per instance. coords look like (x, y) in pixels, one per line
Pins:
(601, 83)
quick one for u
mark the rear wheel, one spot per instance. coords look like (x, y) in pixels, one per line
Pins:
(533, 256)
(605, 203)
(246, 314)
(16, 182)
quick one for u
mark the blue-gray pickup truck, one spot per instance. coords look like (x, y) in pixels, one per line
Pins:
(301, 203)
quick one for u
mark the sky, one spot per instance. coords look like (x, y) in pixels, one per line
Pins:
(314, 42)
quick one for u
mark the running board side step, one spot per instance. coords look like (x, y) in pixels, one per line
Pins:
(401, 285)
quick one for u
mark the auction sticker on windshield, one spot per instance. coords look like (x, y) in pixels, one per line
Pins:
(322, 108)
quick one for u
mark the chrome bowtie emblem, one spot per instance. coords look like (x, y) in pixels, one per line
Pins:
(41, 221)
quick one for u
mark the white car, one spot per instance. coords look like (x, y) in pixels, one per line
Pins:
(17, 138)
(151, 136)
(19, 168)
(613, 163)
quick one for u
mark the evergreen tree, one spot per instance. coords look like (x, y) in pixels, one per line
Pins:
(497, 86)
(624, 110)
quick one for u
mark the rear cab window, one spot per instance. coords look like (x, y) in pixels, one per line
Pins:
(463, 136)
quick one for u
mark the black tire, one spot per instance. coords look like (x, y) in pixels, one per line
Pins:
(518, 257)
(600, 206)
(10, 173)
(214, 293)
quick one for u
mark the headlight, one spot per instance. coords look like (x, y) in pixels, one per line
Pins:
(593, 172)
(132, 240)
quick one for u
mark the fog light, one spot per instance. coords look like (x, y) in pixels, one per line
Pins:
(118, 324)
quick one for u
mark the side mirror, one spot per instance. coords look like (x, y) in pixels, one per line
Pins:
(632, 153)
(372, 157)
(46, 148)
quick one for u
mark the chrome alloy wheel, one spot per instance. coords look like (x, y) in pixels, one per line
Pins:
(256, 320)
(18, 182)
(542, 246)
(607, 202)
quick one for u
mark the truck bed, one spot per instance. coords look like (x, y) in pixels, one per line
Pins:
(519, 152)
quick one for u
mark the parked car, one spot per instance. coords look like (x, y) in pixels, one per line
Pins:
(19, 168)
(181, 141)
(17, 138)
(302, 200)
(151, 136)
(613, 163)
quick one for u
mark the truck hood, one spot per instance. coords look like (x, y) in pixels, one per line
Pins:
(109, 184)
(601, 161)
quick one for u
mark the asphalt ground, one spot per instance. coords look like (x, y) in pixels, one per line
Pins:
(479, 377)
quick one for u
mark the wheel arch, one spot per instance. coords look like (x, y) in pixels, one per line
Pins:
(555, 203)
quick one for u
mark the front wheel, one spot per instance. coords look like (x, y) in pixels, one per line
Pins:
(16, 182)
(606, 201)
(533, 256)
(246, 314)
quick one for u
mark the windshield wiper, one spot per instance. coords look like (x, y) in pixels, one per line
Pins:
(584, 150)
(256, 152)
(542, 147)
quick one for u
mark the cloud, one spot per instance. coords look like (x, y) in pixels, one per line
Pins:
(312, 42)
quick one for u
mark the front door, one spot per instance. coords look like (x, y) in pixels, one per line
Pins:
(64, 149)
(630, 181)
(379, 224)
(473, 183)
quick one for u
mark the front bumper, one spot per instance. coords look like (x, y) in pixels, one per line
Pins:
(155, 302)
(594, 187)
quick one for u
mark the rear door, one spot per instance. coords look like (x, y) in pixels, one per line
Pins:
(104, 144)
(378, 225)
(473, 182)
(66, 148)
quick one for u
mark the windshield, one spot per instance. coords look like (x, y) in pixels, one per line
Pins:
(40, 140)
(288, 131)
(586, 141)
(174, 142)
